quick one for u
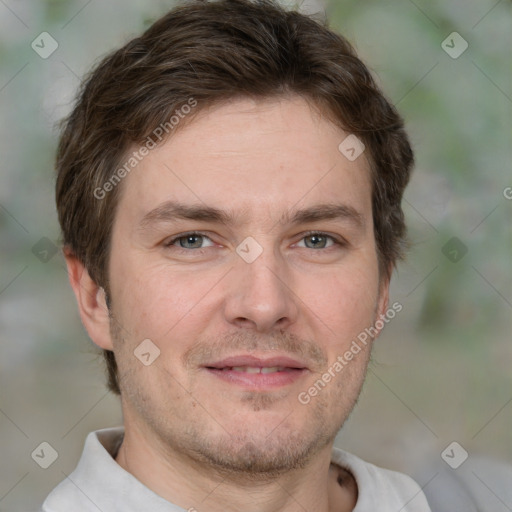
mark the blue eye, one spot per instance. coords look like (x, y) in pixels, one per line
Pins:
(190, 241)
(318, 241)
(196, 240)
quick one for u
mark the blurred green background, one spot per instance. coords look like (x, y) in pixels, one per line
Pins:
(442, 369)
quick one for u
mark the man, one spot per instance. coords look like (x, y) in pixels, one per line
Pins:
(229, 189)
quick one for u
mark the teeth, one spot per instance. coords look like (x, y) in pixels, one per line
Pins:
(246, 369)
(256, 369)
(273, 369)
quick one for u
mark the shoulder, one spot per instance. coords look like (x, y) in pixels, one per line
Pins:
(65, 495)
(84, 487)
(381, 489)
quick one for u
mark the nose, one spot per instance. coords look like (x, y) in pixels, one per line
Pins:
(260, 295)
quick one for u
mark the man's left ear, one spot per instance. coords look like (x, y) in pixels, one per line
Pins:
(383, 302)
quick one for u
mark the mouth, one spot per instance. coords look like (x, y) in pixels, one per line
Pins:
(258, 373)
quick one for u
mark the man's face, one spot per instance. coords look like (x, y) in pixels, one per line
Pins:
(219, 305)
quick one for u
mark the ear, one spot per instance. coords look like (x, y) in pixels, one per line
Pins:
(91, 302)
(382, 302)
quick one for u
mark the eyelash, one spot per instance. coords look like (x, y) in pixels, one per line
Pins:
(336, 241)
(173, 240)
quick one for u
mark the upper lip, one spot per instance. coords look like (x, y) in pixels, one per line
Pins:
(258, 362)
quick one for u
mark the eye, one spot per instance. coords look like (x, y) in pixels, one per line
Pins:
(190, 241)
(318, 241)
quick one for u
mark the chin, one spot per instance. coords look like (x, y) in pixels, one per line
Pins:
(260, 450)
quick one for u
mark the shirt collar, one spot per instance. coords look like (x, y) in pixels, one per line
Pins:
(98, 474)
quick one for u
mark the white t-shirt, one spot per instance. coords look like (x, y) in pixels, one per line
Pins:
(99, 483)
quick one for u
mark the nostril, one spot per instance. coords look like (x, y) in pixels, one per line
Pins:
(245, 322)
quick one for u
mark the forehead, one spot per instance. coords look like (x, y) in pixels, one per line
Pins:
(251, 157)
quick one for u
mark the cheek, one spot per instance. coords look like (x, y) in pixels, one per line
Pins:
(344, 302)
(155, 302)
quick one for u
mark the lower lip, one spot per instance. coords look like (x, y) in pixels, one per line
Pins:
(259, 380)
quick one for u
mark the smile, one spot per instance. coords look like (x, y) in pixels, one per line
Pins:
(256, 369)
(257, 374)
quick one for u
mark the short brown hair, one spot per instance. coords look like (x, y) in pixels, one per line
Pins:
(212, 52)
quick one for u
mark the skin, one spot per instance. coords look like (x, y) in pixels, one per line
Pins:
(191, 437)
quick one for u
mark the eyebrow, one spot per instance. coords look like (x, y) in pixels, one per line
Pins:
(172, 210)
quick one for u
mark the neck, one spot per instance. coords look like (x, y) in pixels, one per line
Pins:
(194, 485)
